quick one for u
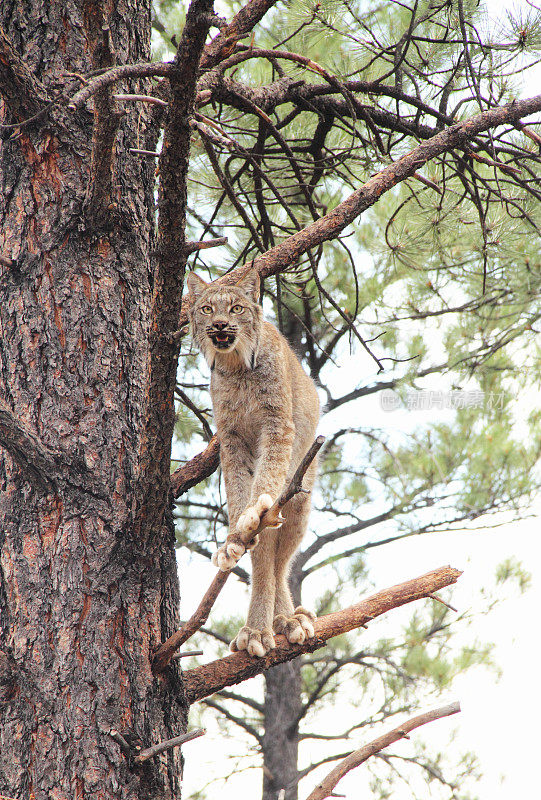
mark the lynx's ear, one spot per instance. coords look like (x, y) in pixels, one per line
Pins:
(195, 284)
(250, 284)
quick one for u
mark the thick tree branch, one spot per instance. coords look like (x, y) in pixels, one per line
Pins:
(328, 227)
(209, 678)
(271, 518)
(325, 787)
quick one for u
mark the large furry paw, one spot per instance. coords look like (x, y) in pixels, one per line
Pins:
(296, 628)
(257, 643)
(229, 553)
(250, 518)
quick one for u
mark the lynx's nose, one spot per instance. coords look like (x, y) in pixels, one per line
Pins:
(219, 324)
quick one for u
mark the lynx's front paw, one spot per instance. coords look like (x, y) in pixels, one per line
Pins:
(257, 643)
(296, 628)
(228, 554)
(250, 518)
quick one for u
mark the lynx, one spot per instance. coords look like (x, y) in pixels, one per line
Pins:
(266, 410)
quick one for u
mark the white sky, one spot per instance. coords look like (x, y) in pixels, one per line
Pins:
(499, 720)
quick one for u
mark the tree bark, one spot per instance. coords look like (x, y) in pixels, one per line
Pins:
(82, 601)
(281, 710)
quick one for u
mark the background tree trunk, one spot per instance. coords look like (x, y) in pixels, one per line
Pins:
(82, 601)
(281, 709)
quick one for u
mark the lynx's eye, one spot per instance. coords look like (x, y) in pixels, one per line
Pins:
(237, 309)
(206, 309)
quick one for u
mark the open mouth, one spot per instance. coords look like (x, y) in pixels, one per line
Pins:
(222, 340)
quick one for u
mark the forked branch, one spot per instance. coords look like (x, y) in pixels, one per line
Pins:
(326, 786)
(209, 678)
(271, 518)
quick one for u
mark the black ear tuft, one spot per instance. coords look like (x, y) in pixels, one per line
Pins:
(250, 284)
(195, 284)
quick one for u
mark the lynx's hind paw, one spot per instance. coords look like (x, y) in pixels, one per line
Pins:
(257, 643)
(250, 518)
(228, 554)
(296, 628)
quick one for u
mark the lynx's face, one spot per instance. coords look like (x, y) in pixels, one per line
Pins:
(225, 319)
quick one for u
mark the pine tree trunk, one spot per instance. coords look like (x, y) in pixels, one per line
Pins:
(83, 599)
(282, 705)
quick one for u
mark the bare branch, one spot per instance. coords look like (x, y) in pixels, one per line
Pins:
(140, 70)
(193, 247)
(326, 786)
(241, 24)
(168, 744)
(271, 518)
(209, 678)
(240, 721)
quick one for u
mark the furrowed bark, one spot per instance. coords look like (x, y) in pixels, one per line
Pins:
(82, 604)
(326, 786)
(24, 95)
(209, 678)
(99, 203)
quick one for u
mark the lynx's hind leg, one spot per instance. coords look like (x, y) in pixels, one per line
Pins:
(295, 623)
(256, 636)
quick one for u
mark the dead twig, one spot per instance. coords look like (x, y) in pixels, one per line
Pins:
(168, 744)
(193, 247)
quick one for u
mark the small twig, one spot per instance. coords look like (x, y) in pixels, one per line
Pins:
(168, 744)
(183, 397)
(192, 247)
(435, 597)
(140, 152)
(6, 262)
(427, 182)
(528, 132)
(271, 518)
(187, 653)
(144, 98)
